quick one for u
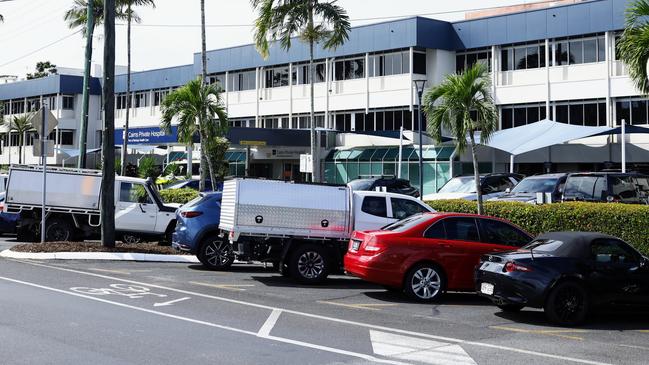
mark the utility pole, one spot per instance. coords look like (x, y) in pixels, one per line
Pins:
(108, 145)
(83, 131)
(128, 92)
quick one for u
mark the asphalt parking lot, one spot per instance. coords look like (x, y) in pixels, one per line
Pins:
(133, 312)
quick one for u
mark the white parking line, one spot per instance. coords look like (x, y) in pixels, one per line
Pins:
(215, 325)
(264, 331)
(332, 319)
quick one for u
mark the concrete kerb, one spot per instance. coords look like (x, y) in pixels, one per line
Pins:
(112, 256)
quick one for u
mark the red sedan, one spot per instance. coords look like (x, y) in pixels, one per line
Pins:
(430, 253)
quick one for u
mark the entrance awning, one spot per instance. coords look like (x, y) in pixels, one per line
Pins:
(71, 152)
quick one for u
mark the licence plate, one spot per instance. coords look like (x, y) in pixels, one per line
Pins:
(356, 245)
(486, 288)
(492, 266)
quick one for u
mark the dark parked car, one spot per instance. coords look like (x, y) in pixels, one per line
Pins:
(8, 221)
(612, 187)
(527, 189)
(566, 274)
(391, 184)
(193, 184)
(197, 228)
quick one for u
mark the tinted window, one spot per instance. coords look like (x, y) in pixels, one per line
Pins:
(586, 188)
(133, 193)
(535, 185)
(496, 184)
(502, 233)
(406, 224)
(402, 208)
(623, 188)
(612, 251)
(436, 231)
(463, 229)
(375, 205)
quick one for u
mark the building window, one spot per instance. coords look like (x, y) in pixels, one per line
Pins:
(350, 69)
(241, 81)
(17, 106)
(68, 102)
(276, 77)
(419, 63)
(242, 122)
(300, 73)
(466, 59)
(523, 56)
(33, 105)
(582, 112)
(51, 101)
(218, 79)
(395, 63)
(66, 137)
(159, 96)
(521, 114)
(577, 50)
(142, 99)
(632, 110)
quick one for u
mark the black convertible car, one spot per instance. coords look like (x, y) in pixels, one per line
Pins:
(566, 274)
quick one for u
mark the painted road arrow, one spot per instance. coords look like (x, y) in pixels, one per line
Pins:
(170, 302)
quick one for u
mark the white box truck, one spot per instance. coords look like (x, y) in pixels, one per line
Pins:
(303, 229)
(72, 205)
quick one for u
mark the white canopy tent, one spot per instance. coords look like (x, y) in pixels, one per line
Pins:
(542, 134)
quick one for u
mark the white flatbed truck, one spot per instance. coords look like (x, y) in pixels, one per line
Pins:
(303, 229)
(72, 205)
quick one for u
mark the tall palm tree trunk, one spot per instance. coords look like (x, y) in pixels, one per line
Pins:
(128, 91)
(476, 173)
(20, 148)
(315, 163)
(203, 165)
(83, 132)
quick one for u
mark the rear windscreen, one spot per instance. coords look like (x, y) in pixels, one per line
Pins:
(585, 188)
(546, 246)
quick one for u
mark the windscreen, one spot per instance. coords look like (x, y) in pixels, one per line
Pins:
(535, 186)
(459, 185)
(545, 246)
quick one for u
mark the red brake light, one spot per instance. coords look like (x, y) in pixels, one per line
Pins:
(373, 245)
(512, 266)
(190, 214)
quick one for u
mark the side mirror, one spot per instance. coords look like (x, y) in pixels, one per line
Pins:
(508, 190)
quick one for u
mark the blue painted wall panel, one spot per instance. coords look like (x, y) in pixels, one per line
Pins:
(557, 21)
(516, 29)
(155, 79)
(601, 12)
(497, 29)
(579, 20)
(536, 25)
(480, 32)
(64, 84)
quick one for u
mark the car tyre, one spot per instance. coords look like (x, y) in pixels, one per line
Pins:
(215, 253)
(310, 264)
(425, 282)
(510, 308)
(567, 304)
(58, 230)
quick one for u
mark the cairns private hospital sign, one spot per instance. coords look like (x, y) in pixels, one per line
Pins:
(151, 135)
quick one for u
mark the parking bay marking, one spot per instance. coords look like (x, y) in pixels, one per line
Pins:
(369, 306)
(164, 304)
(211, 324)
(326, 318)
(556, 333)
(233, 287)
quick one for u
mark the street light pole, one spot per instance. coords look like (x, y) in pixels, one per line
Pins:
(419, 85)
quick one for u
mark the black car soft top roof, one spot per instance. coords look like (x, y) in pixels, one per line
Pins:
(576, 244)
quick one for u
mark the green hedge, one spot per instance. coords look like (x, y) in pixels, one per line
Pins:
(180, 196)
(627, 221)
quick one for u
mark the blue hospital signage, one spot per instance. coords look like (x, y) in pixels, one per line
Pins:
(151, 135)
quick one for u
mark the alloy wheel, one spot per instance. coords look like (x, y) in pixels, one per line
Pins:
(218, 253)
(311, 265)
(569, 303)
(426, 283)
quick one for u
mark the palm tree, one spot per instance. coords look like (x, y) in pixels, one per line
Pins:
(634, 44)
(313, 21)
(21, 125)
(450, 106)
(130, 16)
(80, 16)
(195, 105)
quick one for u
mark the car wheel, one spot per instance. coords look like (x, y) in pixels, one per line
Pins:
(567, 304)
(309, 264)
(215, 253)
(131, 238)
(510, 308)
(58, 230)
(425, 282)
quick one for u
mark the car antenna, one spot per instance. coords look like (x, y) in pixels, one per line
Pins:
(532, 252)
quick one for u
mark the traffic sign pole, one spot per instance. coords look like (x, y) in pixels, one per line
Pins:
(44, 162)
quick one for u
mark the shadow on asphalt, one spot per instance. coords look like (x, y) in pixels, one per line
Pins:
(330, 283)
(396, 296)
(236, 268)
(622, 319)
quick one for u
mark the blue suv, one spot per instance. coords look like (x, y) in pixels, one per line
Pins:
(197, 231)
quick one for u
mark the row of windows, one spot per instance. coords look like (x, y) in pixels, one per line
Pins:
(20, 106)
(632, 110)
(139, 100)
(583, 112)
(519, 115)
(66, 138)
(381, 120)
(523, 57)
(298, 122)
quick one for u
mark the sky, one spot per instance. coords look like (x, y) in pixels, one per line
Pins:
(169, 34)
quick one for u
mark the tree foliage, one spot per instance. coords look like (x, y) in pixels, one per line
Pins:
(463, 106)
(21, 125)
(633, 46)
(77, 15)
(43, 69)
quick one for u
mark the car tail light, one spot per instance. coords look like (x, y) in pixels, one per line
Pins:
(190, 214)
(512, 266)
(373, 245)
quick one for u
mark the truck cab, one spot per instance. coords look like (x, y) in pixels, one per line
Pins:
(373, 209)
